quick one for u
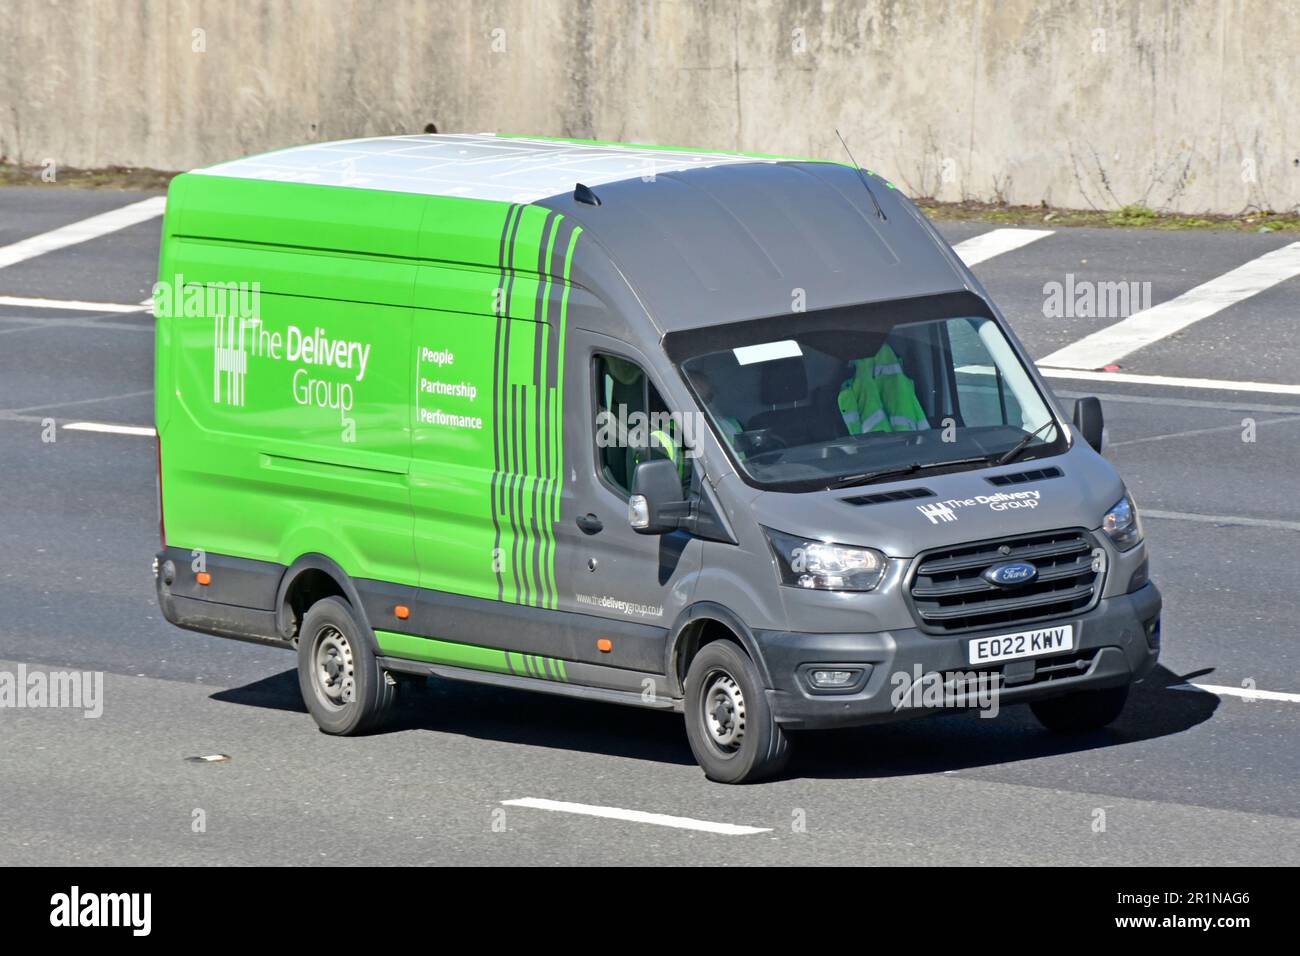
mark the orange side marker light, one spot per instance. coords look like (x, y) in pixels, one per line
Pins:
(402, 612)
(604, 645)
(204, 578)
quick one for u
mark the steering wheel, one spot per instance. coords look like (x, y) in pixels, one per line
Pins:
(760, 441)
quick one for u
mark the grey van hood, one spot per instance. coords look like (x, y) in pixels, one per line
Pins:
(965, 506)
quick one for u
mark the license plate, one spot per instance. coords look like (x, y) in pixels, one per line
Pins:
(1009, 647)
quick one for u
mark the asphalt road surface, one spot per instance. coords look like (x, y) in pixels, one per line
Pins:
(1202, 768)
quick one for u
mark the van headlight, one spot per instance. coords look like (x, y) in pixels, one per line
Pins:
(1122, 524)
(824, 565)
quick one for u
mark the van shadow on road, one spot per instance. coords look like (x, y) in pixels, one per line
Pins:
(954, 741)
(960, 741)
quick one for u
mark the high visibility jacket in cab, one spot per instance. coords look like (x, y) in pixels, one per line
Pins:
(880, 397)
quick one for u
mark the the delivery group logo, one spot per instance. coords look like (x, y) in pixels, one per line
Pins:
(235, 339)
(229, 359)
(328, 368)
(234, 307)
(946, 511)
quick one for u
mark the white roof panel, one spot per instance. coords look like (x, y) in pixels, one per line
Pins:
(477, 166)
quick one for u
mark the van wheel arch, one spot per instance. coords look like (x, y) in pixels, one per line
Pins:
(312, 578)
(699, 625)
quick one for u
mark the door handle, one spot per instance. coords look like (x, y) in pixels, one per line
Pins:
(589, 523)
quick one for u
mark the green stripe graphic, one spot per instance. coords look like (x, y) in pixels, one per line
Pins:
(472, 656)
(528, 381)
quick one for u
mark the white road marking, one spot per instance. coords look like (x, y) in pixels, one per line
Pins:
(1197, 432)
(76, 232)
(82, 401)
(72, 305)
(109, 429)
(1174, 401)
(636, 816)
(1242, 692)
(23, 328)
(986, 245)
(45, 325)
(1148, 326)
(1237, 520)
(1272, 388)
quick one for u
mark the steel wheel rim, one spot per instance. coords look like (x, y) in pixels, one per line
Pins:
(334, 668)
(723, 712)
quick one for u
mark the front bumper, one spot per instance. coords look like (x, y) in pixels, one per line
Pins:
(1116, 643)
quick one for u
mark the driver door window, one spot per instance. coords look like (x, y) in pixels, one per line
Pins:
(632, 423)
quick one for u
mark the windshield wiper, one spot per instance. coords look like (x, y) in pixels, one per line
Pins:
(866, 478)
(1011, 455)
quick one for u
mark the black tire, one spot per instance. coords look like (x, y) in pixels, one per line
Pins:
(345, 690)
(1081, 711)
(723, 675)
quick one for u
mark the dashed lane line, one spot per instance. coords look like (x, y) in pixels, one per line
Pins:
(82, 231)
(1107, 346)
(22, 328)
(986, 245)
(1214, 384)
(143, 432)
(1236, 520)
(1198, 432)
(1245, 693)
(89, 322)
(81, 401)
(1174, 401)
(70, 305)
(636, 816)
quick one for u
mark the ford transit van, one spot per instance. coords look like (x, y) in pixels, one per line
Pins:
(731, 436)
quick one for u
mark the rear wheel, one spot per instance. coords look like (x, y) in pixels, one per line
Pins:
(344, 688)
(729, 724)
(1083, 710)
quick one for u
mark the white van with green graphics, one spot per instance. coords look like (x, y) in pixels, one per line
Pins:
(731, 436)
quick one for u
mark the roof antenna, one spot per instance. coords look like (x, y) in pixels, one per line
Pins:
(863, 176)
(583, 194)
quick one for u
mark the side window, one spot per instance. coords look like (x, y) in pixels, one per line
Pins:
(982, 395)
(632, 422)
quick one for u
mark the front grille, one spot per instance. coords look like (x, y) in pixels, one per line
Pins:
(950, 595)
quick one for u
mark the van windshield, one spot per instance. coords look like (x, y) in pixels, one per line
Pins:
(857, 395)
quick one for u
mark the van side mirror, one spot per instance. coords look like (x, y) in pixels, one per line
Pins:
(1088, 419)
(657, 505)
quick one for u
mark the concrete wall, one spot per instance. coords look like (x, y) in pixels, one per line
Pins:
(1187, 105)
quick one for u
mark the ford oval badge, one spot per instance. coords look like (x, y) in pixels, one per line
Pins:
(1011, 575)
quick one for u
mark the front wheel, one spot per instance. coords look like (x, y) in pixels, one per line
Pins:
(729, 724)
(346, 691)
(1081, 711)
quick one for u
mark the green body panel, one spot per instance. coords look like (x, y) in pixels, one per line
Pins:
(352, 407)
(433, 651)
(299, 215)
